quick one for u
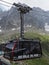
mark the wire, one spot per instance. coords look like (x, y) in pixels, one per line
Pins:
(6, 3)
(10, 3)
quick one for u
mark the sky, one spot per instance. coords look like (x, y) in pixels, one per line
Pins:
(44, 4)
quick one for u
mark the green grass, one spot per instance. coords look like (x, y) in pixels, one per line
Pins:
(40, 61)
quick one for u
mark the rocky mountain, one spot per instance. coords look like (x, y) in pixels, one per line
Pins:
(37, 17)
(1, 13)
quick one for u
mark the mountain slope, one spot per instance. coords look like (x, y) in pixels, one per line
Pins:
(37, 17)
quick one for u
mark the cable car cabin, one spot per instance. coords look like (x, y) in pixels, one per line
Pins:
(23, 49)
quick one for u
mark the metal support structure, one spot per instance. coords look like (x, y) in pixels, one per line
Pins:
(22, 25)
(23, 10)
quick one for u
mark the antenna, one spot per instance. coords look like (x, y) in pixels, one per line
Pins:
(23, 10)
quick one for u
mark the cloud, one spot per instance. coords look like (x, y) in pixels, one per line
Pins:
(44, 4)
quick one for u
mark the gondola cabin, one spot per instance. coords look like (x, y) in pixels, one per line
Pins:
(23, 49)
